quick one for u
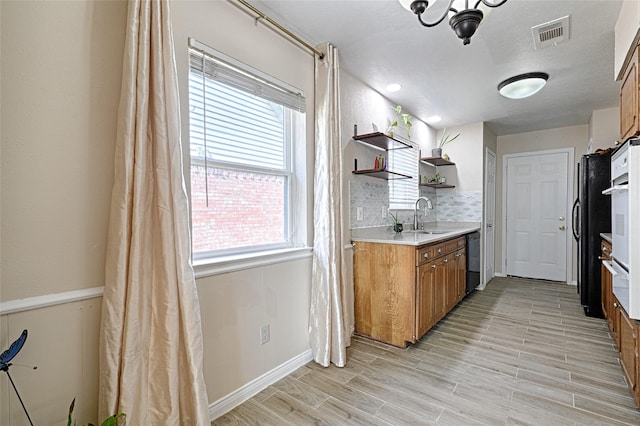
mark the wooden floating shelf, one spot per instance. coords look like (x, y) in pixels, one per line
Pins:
(437, 161)
(382, 141)
(381, 174)
(437, 185)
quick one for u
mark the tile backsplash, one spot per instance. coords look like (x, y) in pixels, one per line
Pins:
(463, 206)
(448, 205)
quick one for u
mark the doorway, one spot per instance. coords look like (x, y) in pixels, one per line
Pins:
(535, 209)
(489, 215)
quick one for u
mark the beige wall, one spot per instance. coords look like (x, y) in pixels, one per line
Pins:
(61, 70)
(575, 137)
(60, 67)
(466, 151)
(604, 128)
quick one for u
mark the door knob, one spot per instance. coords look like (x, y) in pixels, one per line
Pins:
(561, 227)
(561, 218)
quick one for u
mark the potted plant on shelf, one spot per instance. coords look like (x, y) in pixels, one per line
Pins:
(405, 118)
(445, 139)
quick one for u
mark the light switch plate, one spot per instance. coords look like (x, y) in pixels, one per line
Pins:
(383, 212)
(359, 213)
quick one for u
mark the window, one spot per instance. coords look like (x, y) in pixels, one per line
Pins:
(242, 126)
(403, 193)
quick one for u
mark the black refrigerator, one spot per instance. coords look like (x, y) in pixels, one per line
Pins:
(591, 216)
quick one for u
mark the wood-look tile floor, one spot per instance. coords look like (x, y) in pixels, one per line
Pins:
(521, 352)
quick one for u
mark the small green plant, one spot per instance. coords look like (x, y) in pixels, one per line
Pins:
(397, 225)
(404, 118)
(445, 139)
(109, 421)
(394, 217)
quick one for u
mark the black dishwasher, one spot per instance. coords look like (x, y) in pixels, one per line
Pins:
(473, 261)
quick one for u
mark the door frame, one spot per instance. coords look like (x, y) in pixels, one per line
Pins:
(484, 279)
(570, 197)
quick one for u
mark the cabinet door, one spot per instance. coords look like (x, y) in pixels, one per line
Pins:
(616, 310)
(439, 289)
(451, 278)
(629, 99)
(628, 345)
(425, 298)
(606, 279)
(461, 273)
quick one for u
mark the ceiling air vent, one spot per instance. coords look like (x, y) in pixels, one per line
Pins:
(551, 33)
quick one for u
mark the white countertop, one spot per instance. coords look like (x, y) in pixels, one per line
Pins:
(606, 236)
(385, 235)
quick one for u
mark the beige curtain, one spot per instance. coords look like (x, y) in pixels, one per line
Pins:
(328, 333)
(151, 337)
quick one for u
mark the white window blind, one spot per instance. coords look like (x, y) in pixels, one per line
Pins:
(403, 193)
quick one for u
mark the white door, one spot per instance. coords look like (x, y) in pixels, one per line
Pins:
(536, 211)
(489, 215)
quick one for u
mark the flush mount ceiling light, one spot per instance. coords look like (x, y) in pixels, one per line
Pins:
(393, 87)
(464, 20)
(523, 85)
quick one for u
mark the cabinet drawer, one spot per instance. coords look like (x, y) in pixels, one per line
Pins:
(425, 254)
(454, 245)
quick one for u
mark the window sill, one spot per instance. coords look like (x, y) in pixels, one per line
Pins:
(225, 264)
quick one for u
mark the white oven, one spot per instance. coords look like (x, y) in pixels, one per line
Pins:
(619, 191)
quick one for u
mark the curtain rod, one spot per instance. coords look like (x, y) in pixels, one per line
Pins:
(281, 28)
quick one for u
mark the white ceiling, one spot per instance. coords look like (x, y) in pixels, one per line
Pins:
(379, 42)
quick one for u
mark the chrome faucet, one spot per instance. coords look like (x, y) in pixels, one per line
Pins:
(415, 210)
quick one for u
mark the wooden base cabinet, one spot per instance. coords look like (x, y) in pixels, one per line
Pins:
(402, 291)
(629, 351)
(624, 330)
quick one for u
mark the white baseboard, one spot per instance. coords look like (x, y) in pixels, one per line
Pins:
(500, 274)
(237, 397)
(574, 282)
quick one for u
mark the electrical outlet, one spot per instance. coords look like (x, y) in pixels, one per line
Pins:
(265, 334)
(359, 213)
(383, 212)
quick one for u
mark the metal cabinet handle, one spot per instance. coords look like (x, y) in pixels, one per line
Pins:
(602, 258)
(605, 248)
(459, 254)
(446, 260)
(426, 255)
(433, 266)
(440, 250)
(615, 305)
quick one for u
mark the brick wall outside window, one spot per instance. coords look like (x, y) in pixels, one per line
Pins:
(245, 209)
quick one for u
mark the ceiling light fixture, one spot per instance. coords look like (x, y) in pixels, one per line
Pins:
(434, 119)
(393, 87)
(463, 19)
(523, 85)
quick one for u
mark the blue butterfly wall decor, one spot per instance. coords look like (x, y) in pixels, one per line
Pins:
(5, 363)
(13, 350)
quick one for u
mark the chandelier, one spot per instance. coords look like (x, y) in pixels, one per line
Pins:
(463, 19)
